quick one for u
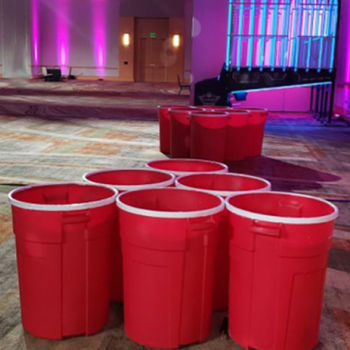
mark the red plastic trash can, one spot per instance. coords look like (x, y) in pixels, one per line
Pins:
(169, 239)
(208, 135)
(63, 237)
(279, 246)
(180, 167)
(222, 185)
(164, 126)
(237, 139)
(256, 126)
(180, 133)
(125, 180)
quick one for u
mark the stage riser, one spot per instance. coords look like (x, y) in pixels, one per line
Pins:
(61, 112)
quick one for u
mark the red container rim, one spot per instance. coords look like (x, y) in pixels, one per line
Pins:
(238, 111)
(224, 193)
(206, 107)
(219, 167)
(170, 214)
(209, 114)
(253, 109)
(62, 207)
(170, 106)
(169, 182)
(182, 110)
(282, 219)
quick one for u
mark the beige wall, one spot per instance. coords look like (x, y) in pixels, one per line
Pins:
(176, 55)
(126, 54)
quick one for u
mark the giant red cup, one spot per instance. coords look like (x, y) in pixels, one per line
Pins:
(164, 126)
(63, 239)
(125, 180)
(169, 239)
(208, 135)
(279, 245)
(222, 185)
(180, 132)
(255, 130)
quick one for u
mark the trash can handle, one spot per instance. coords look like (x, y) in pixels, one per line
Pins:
(75, 218)
(267, 228)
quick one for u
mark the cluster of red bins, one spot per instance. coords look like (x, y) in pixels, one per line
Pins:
(211, 132)
(185, 238)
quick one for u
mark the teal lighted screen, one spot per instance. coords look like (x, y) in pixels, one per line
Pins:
(282, 34)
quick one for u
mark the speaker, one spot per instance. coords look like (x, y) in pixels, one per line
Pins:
(53, 74)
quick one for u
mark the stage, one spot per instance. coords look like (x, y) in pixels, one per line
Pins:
(86, 99)
(63, 130)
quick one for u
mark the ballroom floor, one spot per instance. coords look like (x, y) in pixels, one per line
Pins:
(299, 155)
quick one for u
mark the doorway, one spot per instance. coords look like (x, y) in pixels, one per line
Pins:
(155, 59)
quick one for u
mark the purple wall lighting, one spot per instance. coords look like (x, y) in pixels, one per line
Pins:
(35, 31)
(73, 35)
(346, 51)
(99, 27)
(63, 35)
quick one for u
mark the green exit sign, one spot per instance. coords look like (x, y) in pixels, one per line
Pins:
(152, 35)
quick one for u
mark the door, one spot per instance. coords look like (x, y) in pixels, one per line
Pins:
(151, 49)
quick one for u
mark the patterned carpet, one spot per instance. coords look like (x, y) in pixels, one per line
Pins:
(298, 155)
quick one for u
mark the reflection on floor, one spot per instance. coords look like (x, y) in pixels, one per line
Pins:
(299, 155)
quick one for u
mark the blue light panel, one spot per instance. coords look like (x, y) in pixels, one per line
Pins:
(307, 35)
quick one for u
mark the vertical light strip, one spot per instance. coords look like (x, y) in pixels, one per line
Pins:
(283, 32)
(328, 30)
(298, 32)
(229, 36)
(333, 32)
(99, 28)
(240, 30)
(317, 22)
(297, 24)
(251, 35)
(286, 34)
(35, 31)
(62, 34)
(322, 33)
(291, 34)
(346, 11)
(303, 51)
(262, 33)
(310, 39)
(273, 34)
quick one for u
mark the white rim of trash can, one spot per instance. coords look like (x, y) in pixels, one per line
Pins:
(170, 214)
(283, 219)
(132, 187)
(61, 207)
(224, 193)
(223, 170)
